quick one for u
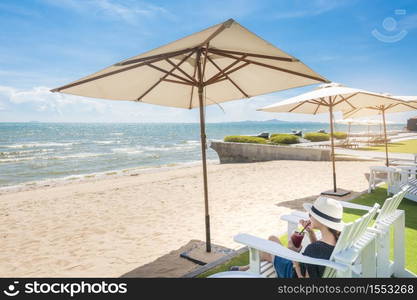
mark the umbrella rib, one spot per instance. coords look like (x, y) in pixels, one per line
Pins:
(222, 27)
(317, 108)
(342, 100)
(181, 70)
(221, 78)
(321, 102)
(177, 81)
(157, 56)
(297, 106)
(170, 73)
(228, 78)
(348, 102)
(107, 74)
(271, 67)
(289, 59)
(221, 72)
(411, 106)
(165, 76)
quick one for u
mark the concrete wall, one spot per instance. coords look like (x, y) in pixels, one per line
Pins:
(245, 152)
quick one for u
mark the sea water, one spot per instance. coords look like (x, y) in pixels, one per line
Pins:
(31, 152)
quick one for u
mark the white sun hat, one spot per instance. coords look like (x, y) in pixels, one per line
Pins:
(327, 211)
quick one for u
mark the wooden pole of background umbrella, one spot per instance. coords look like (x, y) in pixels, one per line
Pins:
(332, 145)
(203, 149)
(350, 124)
(385, 138)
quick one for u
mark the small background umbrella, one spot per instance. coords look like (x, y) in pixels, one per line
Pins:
(348, 122)
(402, 104)
(329, 98)
(221, 63)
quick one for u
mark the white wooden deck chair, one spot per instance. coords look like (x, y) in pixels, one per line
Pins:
(354, 242)
(404, 176)
(375, 171)
(389, 218)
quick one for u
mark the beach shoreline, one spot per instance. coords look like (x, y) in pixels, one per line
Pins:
(92, 177)
(108, 227)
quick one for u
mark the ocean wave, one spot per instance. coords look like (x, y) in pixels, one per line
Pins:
(9, 160)
(38, 145)
(23, 152)
(127, 150)
(169, 148)
(43, 158)
(77, 155)
(106, 142)
(117, 133)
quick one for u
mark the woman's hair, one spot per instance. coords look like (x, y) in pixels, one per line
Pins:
(335, 233)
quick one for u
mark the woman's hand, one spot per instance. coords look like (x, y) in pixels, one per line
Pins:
(292, 247)
(306, 224)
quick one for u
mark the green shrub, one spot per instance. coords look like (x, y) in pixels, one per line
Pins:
(316, 136)
(245, 139)
(338, 135)
(283, 138)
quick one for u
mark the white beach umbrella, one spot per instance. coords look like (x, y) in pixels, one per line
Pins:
(403, 104)
(221, 63)
(328, 98)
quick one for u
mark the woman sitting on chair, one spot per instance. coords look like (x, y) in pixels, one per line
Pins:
(326, 216)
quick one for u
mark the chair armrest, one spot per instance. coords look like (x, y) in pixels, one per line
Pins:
(355, 206)
(300, 214)
(278, 250)
(290, 218)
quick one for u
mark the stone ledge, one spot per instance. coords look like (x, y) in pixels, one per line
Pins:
(246, 152)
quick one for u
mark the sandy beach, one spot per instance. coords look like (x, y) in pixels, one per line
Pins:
(107, 227)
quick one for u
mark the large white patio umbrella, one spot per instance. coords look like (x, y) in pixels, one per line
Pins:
(328, 98)
(403, 104)
(221, 63)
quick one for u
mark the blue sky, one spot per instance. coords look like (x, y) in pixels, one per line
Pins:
(47, 43)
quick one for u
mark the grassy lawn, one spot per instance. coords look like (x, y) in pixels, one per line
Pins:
(408, 146)
(377, 196)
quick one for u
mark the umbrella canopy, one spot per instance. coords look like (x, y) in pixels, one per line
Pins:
(400, 104)
(328, 98)
(341, 98)
(351, 121)
(221, 63)
(403, 104)
(234, 63)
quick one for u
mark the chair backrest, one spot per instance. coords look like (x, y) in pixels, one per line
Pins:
(351, 233)
(397, 179)
(391, 204)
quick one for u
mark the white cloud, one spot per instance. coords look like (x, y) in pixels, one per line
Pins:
(310, 8)
(129, 11)
(40, 104)
(40, 99)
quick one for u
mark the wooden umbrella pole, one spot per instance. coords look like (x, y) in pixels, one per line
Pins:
(350, 124)
(385, 138)
(332, 144)
(203, 149)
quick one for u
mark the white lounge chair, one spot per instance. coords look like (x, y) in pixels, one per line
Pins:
(373, 176)
(354, 244)
(404, 176)
(389, 217)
